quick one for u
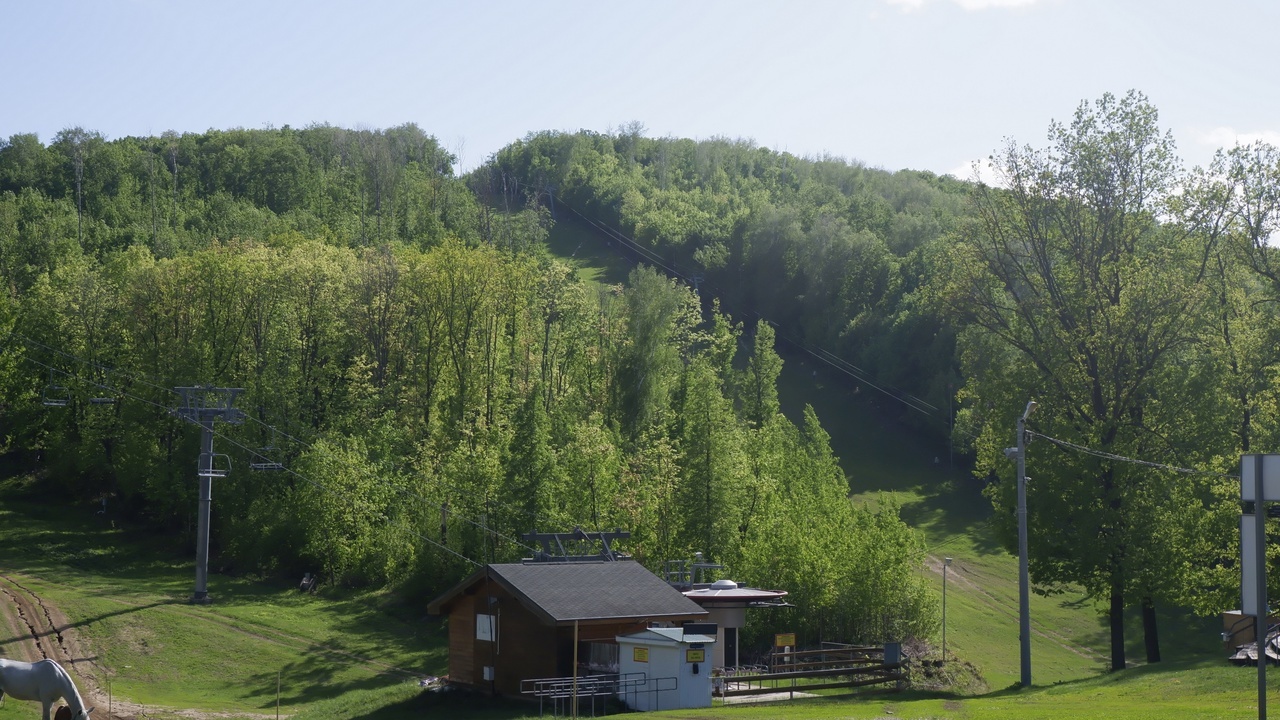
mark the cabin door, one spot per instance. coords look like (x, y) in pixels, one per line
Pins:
(731, 647)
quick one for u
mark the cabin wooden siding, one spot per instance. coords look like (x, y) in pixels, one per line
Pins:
(462, 641)
(525, 645)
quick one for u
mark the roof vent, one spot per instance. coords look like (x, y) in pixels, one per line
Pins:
(724, 585)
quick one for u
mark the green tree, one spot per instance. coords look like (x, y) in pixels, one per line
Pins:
(78, 145)
(1077, 296)
(759, 385)
(661, 317)
(715, 468)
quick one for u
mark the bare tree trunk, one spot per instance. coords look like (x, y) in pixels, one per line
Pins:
(1116, 616)
(173, 168)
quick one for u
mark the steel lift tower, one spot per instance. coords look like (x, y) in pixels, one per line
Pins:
(203, 406)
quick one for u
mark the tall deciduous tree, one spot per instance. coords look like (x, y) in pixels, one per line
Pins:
(1077, 296)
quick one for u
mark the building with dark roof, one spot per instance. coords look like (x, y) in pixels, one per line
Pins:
(513, 622)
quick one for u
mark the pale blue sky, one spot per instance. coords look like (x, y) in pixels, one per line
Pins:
(927, 84)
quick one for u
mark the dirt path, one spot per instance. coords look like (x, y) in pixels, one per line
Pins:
(32, 629)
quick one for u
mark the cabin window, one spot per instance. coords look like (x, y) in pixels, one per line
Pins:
(602, 658)
(486, 627)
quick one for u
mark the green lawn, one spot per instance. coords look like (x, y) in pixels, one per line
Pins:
(127, 597)
(1209, 689)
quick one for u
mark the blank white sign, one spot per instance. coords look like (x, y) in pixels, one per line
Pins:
(1270, 477)
(1248, 566)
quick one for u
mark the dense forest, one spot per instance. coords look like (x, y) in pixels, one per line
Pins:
(437, 384)
(433, 383)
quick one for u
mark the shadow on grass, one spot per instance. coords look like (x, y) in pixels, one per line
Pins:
(360, 622)
(46, 538)
(952, 507)
(96, 618)
(74, 545)
(314, 677)
(453, 704)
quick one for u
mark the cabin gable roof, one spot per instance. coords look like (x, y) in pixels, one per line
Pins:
(562, 593)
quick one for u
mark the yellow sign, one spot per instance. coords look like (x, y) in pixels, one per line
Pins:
(693, 656)
(784, 640)
(640, 654)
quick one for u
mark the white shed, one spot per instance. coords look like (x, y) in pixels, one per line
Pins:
(676, 665)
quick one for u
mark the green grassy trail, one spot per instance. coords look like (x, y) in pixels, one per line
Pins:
(337, 654)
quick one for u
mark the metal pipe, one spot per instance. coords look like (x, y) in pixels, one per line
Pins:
(202, 516)
(1260, 558)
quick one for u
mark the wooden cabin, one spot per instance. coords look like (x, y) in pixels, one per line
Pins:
(517, 621)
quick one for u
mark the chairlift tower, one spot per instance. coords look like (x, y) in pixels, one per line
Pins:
(203, 406)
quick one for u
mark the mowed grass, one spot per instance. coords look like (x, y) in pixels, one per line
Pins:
(597, 259)
(127, 597)
(1202, 690)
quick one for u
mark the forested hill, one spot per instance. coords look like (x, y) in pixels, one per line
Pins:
(437, 384)
(1132, 298)
(831, 252)
(432, 382)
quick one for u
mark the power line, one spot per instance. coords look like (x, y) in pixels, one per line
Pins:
(106, 369)
(1133, 461)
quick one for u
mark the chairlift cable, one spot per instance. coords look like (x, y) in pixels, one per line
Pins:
(345, 498)
(105, 368)
(267, 460)
(537, 517)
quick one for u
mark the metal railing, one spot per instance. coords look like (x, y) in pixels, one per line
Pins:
(832, 666)
(562, 692)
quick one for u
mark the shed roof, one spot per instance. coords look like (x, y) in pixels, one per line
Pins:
(565, 592)
(727, 593)
(667, 635)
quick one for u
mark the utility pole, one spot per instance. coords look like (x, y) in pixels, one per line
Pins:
(946, 563)
(1024, 582)
(202, 406)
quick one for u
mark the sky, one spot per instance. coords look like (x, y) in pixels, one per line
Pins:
(920, 84)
